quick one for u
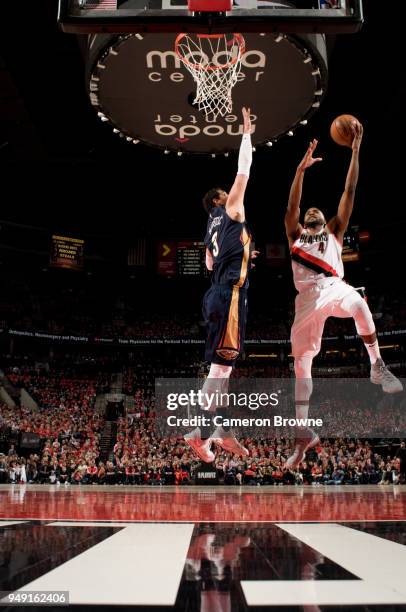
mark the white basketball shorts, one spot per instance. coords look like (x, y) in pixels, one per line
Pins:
(329, 298)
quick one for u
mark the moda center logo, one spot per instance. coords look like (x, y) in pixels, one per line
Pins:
(166, 65)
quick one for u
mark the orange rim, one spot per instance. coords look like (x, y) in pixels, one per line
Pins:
(239, 38)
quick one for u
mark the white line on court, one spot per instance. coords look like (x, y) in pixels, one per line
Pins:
(379, 563)
(119, 569)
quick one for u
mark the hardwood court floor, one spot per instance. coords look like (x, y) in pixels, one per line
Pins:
(199, 549)
(197, 504)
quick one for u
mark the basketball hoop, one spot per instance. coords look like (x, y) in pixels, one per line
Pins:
(214, 61)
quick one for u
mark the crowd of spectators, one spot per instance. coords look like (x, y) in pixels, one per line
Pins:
(360, 442)
(142, 458)
(63, 417)
(70, 455)
(90, 312)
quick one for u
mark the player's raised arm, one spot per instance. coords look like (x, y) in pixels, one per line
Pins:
(340, 222)
(293, 210)
(235, 200)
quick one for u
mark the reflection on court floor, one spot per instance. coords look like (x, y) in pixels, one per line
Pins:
(207, 565)
(201, 504)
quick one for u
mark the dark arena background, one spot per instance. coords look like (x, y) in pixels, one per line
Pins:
(104, 162)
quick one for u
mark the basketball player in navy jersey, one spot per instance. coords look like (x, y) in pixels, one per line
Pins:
(228, 256)
(318, 273)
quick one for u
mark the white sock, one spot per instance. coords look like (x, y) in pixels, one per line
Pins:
(216, 383)
(373, 351)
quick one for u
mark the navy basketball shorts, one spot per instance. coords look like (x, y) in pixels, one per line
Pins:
(225, 313)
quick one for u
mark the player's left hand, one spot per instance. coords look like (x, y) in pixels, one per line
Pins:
(309, 160)
(254, 255)
(247, 120)
(358, 132)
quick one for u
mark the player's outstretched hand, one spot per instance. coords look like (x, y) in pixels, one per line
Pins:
(254, 255)
(308, 159)
(358, 132)
(247, 121)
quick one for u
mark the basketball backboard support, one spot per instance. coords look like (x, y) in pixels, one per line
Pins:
(132, 16)
(140, 86)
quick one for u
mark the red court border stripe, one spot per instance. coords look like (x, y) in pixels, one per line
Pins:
(196, 522)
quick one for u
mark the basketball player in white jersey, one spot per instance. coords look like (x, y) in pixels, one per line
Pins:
(318, 273)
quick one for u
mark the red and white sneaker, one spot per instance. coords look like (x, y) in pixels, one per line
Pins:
(304, 441)
(200, 447)
(228, 442)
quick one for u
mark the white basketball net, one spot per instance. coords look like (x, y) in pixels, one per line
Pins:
(214, 61)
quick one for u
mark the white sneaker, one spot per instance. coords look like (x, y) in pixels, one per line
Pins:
(228, 442)
(200, 447)
(306, 440)
(381, 375)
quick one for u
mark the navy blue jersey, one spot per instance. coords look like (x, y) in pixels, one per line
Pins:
(229, 242)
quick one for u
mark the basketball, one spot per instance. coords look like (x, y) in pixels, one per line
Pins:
(340, 130)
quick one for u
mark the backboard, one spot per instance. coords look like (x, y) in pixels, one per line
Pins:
(126, 16)
(139, 87)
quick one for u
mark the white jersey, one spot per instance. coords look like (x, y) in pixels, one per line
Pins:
(315, 257)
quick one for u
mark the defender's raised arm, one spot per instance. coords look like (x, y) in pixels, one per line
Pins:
(235, 201)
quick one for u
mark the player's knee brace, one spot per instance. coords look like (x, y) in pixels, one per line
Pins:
(303, 366)
(363, 318)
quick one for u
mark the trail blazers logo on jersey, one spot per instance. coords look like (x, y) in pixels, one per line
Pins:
(310, 239)
(314, 255)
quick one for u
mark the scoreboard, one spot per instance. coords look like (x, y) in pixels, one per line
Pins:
(186, 258)
(67, 252)
(191, 259)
